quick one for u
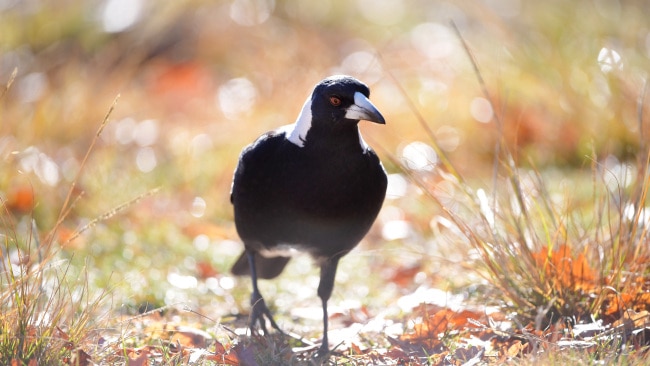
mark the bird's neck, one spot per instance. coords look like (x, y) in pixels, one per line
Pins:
(343, 139)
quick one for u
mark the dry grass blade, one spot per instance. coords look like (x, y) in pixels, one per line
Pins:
(425, 125)
(65, 208)
(45, 314)
(14, 73)
(48, 308)
(107, 215)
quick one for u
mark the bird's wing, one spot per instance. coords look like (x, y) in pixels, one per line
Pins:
(254, 154)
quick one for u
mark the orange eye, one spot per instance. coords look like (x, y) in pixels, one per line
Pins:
(335, 101)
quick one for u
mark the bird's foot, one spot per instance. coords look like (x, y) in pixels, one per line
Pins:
(323, 353)
(259, 314)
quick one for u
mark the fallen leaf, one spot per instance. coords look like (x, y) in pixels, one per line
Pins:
(516, 348)
(191, 337)
(205, 269)
(564, 270)
(354, 349)
(80, 358)
(403, 276)
(632, 319)
(69, 238)
(137, 357)
(20, 199)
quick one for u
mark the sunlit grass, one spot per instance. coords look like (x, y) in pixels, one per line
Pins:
(49, 309)
(572, 121)
(555, 265)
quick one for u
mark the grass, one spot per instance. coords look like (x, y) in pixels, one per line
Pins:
(541, 209)
(47, 308)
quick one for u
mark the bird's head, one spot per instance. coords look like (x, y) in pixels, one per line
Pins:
(337, 103)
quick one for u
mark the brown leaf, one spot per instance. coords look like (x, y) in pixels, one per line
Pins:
(615, 304)
(219, 348)
(397, 354)
(403, 276)
(516, 348)
(432, 326)
(641, 301)
(223, 356)
(355, 349)
(61, 334)
(634, 319)
(80, 358)
(190, 337)
(137, 357)
(469, 355)
(224, 359)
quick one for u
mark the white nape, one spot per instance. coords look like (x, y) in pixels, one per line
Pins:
(297, 132)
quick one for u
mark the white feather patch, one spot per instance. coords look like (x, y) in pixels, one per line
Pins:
(297, 132)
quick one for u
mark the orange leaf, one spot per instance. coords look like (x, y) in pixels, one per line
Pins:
(565, 270)
(190, 337)
(355, 349)
(222, 356)
(642, 301)
(615, 304)
(69, 239)
(20, 199)
(432, 326)
(403, 276)
(205, 269)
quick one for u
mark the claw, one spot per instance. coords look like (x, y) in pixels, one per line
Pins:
(322, 353)
(259, 311)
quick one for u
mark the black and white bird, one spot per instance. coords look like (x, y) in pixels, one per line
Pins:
(313, 186)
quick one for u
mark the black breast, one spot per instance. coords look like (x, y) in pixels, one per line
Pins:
(316, 201)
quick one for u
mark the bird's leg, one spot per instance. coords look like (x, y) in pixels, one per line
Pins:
(258, 306)
(325, 287)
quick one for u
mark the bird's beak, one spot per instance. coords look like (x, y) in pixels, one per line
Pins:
(363, 109)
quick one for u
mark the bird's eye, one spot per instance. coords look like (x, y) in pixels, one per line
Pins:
(335, 101)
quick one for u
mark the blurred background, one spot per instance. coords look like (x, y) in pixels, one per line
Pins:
(198, 80)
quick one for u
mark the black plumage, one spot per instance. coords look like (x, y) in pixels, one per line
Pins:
(312, 186)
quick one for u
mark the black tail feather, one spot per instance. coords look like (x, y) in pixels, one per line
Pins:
(267, 268)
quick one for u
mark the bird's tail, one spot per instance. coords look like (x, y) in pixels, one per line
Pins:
(267, 268)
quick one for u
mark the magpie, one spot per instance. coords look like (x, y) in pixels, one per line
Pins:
(313, 186)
